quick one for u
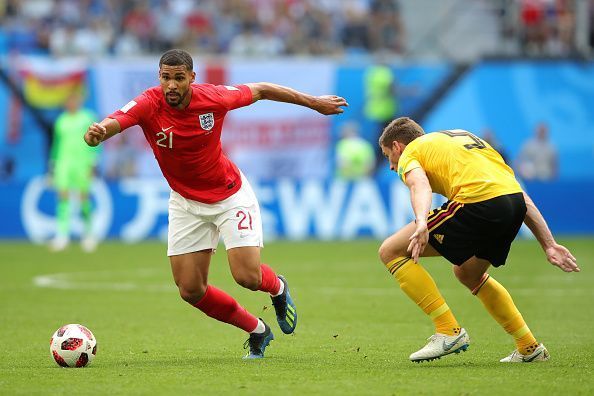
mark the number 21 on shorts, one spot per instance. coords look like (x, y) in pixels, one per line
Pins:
(245, 220)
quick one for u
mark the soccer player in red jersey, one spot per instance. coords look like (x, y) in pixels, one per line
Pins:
(182, 121)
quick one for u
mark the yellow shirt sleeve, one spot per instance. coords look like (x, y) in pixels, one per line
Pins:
(407, 163)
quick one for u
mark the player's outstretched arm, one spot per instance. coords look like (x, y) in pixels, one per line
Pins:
(325, 104)
(99, 132)
(557, 255)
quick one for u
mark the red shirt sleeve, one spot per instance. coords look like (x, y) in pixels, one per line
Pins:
(234, 97)
(133, 112)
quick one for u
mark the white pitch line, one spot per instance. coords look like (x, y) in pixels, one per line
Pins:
(82, 281)
(88, 281)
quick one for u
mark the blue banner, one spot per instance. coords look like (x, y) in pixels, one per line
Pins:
(136, 209)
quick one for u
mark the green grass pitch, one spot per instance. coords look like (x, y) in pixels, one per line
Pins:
(356, 328)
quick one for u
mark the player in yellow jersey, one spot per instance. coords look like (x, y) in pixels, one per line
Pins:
(473, 230)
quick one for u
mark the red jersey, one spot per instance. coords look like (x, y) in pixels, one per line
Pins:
(187, 143)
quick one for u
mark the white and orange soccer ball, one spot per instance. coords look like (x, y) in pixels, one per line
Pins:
(73, 345)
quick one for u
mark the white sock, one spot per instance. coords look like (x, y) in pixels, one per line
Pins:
(259, 328)
(281, 289)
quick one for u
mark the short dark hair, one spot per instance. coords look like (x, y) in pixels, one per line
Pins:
(403, 130)
(177, 57)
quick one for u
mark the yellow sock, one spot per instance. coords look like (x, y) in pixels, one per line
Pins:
(420, 287)
(501, 307)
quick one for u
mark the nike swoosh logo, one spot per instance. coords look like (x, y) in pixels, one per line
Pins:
(165, 130)
(449, 345)
(533, 357)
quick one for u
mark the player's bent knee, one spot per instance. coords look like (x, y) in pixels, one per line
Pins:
(383, 253)
(387, 254)
(470, 280)
(250, 280)
(191, 295)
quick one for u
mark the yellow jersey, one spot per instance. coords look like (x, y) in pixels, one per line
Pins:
(459, 166)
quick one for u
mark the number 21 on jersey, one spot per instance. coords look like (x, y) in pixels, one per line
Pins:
(165, 139)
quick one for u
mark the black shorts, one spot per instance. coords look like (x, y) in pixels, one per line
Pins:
(483, 229)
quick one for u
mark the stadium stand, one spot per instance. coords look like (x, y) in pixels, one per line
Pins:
(457, 29)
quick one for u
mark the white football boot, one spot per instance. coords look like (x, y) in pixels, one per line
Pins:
(440, 345)
(540, 354)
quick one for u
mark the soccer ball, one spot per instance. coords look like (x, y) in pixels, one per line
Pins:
(73, 345)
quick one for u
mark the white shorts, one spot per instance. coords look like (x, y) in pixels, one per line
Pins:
(195, 226)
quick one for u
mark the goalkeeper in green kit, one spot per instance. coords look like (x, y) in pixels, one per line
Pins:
(72, 164)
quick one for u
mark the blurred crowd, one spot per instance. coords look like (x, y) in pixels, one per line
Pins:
(548, 26)
(544, 27)
(237, 27)
(259, 27)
